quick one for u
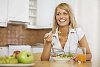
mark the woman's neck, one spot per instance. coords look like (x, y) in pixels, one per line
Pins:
(64, 30)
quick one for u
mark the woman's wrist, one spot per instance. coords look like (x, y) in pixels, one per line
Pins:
(47, 44)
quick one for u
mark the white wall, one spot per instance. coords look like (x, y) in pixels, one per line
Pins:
(45, 11)
(87, 15)
(99, 30)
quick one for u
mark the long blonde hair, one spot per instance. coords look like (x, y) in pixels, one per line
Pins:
(72, 22)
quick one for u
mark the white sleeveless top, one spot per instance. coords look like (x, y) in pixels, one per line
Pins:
(71, 44)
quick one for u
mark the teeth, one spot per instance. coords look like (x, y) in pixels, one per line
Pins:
(62, 20)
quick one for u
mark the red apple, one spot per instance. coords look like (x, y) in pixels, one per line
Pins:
(16, 53)
(25, 57)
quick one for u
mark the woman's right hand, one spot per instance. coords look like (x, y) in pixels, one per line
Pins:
(48, 37)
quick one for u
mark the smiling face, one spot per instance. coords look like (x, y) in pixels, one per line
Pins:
(62, 17)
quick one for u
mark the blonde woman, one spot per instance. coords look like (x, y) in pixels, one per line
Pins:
(65, 34)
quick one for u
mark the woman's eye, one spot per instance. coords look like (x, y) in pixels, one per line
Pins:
(65, 13)
(57, 14)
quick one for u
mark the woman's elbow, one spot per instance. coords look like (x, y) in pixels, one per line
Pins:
(89, 57)
(44, 59)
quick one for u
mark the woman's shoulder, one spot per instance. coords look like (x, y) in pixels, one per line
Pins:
(80, 33)
(78, 29)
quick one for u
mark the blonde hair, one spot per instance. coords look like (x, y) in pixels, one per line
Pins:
(72, 22)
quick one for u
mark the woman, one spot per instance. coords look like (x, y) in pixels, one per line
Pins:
(65, 34)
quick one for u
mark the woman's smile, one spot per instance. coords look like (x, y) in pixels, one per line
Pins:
(62, 20)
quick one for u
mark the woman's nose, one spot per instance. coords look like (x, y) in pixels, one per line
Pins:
(61, 16)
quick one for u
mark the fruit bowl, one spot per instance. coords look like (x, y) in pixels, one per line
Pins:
(22, 59)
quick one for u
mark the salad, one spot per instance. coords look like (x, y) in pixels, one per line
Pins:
(67, 56)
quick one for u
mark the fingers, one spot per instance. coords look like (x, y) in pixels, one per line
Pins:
(75, 58)
(48, 37)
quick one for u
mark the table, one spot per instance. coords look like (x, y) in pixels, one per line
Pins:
(66, 64)
(39, 63)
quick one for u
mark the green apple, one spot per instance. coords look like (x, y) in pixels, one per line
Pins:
(25, 57)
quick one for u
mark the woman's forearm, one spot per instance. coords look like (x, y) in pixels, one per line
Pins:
(46, 52)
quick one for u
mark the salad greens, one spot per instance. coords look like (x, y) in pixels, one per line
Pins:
(69, 55)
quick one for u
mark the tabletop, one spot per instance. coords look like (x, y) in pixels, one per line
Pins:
(39, 63)
(66, 64)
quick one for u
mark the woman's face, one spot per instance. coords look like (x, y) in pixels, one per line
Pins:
(62, 17)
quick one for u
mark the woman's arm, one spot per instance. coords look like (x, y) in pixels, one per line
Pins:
(46, 52)
(47, 47)
(83, 43)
